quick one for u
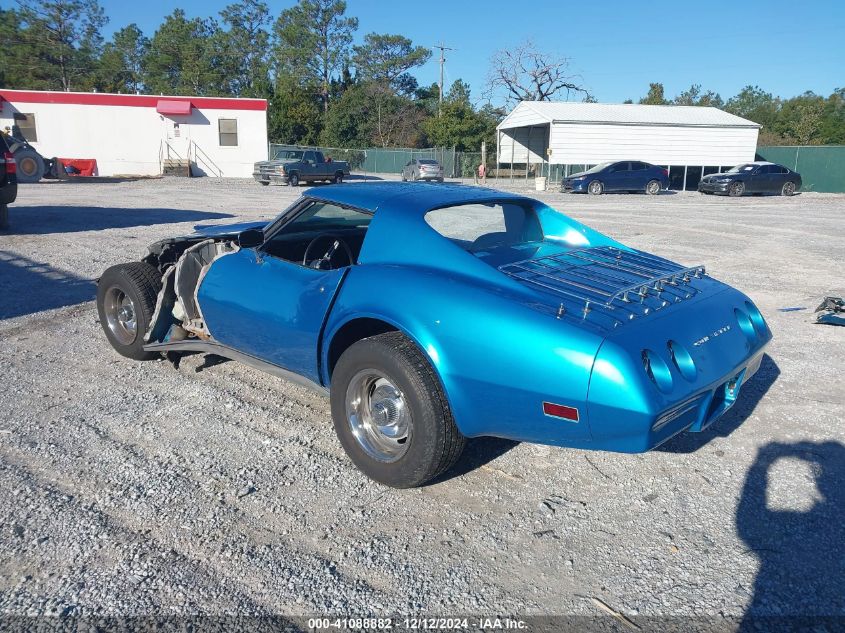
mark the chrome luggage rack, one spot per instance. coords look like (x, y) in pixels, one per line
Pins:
(608, 283)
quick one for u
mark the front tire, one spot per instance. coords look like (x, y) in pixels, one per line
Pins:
(595, 188)
(652, 188)
(736, 189)
(788, 188)
(390, 413)
(126, 300)
(293, 180)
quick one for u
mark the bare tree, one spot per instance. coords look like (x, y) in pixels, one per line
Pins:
(525, 73)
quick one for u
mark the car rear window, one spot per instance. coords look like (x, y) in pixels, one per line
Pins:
(486, 226)
(426, 161)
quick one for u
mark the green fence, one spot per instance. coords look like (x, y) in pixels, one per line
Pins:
(822, 167)
(377, 160)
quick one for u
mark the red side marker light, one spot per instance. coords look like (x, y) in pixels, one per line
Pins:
(560, 411)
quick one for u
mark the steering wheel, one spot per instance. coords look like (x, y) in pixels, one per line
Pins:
(325, 262)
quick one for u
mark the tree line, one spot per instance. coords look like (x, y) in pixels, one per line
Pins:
(808, 119)
(321, 86)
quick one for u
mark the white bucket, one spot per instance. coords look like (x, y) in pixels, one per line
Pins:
(540, 183)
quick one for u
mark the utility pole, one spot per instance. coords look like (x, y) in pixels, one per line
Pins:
(442, 62)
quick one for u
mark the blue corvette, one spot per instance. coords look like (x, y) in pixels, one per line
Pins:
(433, 314)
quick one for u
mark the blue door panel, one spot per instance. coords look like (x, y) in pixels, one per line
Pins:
(269, 308)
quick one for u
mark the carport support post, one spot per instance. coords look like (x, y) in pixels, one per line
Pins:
(513, 142)
(528, 151)
(684, 188)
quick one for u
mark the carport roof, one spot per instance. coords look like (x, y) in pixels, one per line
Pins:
(546, 112)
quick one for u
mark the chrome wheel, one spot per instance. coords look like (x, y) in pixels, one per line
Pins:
(653, 188)
(788, 188)
(120, 315)
(378, 415)
(595, 188)
(737, 189)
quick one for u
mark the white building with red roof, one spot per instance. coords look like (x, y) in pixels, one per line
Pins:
(141, 134)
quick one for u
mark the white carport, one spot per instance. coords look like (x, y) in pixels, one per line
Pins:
(558, 138)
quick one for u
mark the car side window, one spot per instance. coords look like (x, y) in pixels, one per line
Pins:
(481, 227)
(318, 219)
(618, 167)
(309, 157)
(638, 166)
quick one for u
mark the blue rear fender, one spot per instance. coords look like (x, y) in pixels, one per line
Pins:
(674, 372)
(499, 355)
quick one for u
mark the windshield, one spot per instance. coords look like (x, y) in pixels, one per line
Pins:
(288, 154)
(598, 168)
(741, 169)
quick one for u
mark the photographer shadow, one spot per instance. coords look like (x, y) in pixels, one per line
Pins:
(801, 581)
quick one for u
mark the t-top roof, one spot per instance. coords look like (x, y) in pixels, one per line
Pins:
(410, 197)
(543, 112)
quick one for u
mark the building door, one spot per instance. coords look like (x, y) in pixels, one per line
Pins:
(176, 139)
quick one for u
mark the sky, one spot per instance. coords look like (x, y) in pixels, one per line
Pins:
(617, 47)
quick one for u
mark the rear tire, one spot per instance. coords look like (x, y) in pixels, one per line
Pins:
(264, 183)
(30, 166)
(126, 300)
(653, 187)
(595, 188)
(736, 189)
(4, 217)
(338, 178)
(390, 413)
(788, 188)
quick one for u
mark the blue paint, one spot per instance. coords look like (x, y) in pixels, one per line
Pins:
(500, 347)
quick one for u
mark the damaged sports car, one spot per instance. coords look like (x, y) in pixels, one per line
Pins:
(434, 314)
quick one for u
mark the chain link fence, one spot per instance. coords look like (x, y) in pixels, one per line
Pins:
(380, 160)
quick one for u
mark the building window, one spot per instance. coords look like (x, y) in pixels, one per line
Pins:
(228, 132)
(25, 127)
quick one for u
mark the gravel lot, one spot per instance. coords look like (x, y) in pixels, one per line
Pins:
(134, 488)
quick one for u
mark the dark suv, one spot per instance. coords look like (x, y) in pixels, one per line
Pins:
(8, 182)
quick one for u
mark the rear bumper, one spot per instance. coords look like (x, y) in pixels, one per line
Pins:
(694, 413)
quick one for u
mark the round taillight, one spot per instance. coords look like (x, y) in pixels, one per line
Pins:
(683, 360)
(756, 317)
(657, 370)
(745, 325)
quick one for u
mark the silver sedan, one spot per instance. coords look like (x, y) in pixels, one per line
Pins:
(422, 169)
